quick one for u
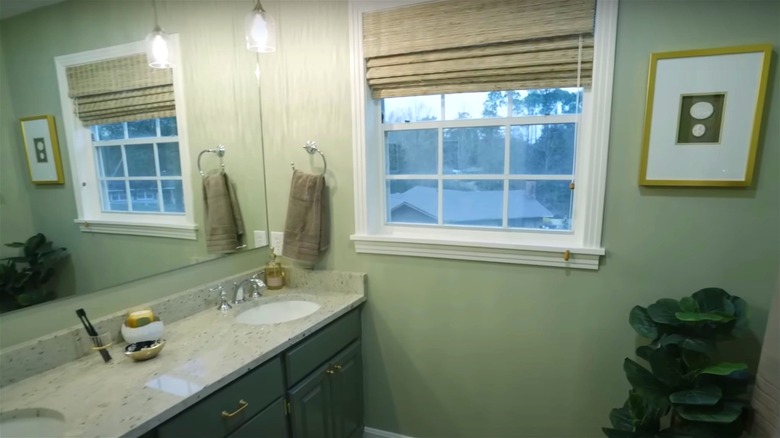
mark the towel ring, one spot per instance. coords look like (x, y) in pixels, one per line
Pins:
(220, 151)
(311, 148)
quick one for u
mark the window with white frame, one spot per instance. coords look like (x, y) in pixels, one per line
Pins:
(510, 176)
(130, 173)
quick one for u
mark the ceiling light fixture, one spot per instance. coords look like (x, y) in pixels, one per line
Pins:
(260, 29)
(157, 51)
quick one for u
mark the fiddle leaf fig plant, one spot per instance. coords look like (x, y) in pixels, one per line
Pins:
(685, 391)
(26, 279)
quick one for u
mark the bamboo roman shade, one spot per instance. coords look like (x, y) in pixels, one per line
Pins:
(121, 90)
(455, 46)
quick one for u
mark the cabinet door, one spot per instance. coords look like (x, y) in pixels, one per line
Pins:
(347, 392)
(271, 423)
(310, 406)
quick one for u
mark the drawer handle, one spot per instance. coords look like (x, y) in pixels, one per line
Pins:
(329, 372)
(244, 405)
(337, 367)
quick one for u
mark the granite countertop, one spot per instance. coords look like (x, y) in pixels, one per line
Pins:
(203, 352)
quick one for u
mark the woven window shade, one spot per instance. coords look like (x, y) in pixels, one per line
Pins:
(121, 90)
(456, 46)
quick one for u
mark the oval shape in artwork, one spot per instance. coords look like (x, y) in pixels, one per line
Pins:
(702, 110)
(698, 130)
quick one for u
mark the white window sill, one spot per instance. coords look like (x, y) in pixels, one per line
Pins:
(579, 258)
(173, 231)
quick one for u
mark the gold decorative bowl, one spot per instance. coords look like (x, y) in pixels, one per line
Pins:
(144, 350)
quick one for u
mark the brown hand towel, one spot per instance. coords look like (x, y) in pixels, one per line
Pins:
(307, 230)
(224, 225)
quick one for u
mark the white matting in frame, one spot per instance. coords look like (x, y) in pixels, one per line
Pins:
(703, 116)
(39, 136)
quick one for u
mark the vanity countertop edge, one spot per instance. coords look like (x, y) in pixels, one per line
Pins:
(203, 353)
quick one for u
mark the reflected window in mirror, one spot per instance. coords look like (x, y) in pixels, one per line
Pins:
(125, 123)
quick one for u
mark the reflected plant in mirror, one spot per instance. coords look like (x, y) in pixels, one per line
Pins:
(30, 278)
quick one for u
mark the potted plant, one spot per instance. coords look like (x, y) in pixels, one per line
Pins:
(25, 279)
(687, 391)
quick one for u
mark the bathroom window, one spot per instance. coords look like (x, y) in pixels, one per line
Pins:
(130, 171)
(497, 174)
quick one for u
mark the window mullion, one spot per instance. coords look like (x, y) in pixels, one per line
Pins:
(157, 172)
(127, 176)
(440, 172)
(505, 214)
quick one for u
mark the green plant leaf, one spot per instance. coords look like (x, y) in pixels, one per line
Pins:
(642, 323)
(621, 419)
(15, 245)
(723, 412)
(724, 368)
(666, 366)
(616, 433)
(711, 299)
(644, 352)
(688, 304)
(741, 313)
(707, 396)
(687, 343)
(646, 411)
(696, 317)
(695, 360)
(642, 380)
(664, 310)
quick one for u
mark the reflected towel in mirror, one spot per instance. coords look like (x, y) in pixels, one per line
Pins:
(224, 226)
(307, 228)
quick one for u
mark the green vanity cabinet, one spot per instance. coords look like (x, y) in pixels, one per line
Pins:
(328, 401)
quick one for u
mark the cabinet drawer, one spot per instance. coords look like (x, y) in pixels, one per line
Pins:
(271, 423)
(321, 346)
(244, 397)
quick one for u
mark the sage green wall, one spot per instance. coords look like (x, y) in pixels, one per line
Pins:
(222, 103)
(458, 348)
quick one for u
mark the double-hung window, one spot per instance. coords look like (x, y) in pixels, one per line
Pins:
(127, 143)
(490, 146)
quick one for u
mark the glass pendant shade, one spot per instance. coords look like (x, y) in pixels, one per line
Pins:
(260, 29)
(157, 49)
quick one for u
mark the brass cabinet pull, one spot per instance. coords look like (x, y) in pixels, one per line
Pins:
(566, 255)
(329, 371)
(337, 367)
(244, 405)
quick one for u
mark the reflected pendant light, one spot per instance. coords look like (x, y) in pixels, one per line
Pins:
(158, 53)
(260, 29)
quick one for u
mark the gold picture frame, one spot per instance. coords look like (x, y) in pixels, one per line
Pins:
(703, 116)
(39, 137)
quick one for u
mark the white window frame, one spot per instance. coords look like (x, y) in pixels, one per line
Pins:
(581, 248)
(91, 217)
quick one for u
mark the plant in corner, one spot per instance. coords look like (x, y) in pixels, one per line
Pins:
(25, 279)
(686, 392)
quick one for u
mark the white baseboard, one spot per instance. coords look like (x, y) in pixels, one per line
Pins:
(370, 432)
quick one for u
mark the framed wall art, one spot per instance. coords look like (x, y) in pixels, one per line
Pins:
(39, 137)
(703, 116)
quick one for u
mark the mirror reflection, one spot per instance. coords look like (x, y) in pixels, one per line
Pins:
(132, 202)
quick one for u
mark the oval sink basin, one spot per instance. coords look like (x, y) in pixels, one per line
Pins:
(280, 311)
(32, 423)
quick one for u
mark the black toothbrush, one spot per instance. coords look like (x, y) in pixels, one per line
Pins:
(92, 332)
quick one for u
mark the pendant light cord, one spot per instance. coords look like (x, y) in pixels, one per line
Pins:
(154, 8)
(259, 7)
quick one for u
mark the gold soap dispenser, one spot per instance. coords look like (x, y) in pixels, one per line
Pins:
(274, 274)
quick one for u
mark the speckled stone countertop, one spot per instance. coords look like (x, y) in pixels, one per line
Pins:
(204, 352)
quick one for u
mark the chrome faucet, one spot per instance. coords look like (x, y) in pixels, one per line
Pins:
(257, 287)
(224, 306)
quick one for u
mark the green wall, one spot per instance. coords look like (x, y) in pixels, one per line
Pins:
(222, 107)
(458, 348)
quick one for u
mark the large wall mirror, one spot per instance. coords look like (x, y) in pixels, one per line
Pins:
(220, 83)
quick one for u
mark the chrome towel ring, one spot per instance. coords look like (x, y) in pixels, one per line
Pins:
(220, 151)
(311, 148)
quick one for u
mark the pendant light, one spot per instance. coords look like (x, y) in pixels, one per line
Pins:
(158, 53)
(260, 29)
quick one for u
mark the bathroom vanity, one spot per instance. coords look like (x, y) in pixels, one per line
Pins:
(217, 377)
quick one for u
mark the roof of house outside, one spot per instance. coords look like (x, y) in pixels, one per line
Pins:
(478, 205)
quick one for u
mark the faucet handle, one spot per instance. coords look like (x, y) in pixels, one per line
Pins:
(257, 287)
(224, 306)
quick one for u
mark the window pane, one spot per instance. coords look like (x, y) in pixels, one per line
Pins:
(140, 160)
(474, 202)
(542, 149)
(142, 128)
(540, 204)
(475, 105)
(110, 161)
(474, 150)
(114, 195)
(168, 127)
(144, 195)
(412, 109)
(411, 152)
(112, 131)
(412, 201)
(173, 196)
(168, 154)
(546, 102)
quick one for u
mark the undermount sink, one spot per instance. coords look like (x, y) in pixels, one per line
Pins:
(276, 312)
(32, 423)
